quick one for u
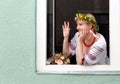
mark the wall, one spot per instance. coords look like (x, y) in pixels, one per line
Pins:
(17, 49)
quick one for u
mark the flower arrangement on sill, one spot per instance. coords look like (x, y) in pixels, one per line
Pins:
(59, 59)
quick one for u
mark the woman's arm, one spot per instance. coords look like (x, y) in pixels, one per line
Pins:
(80, 54)
(65, 46)
(93, 56)
(66, 31)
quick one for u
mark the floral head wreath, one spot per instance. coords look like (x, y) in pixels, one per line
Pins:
(88, 19)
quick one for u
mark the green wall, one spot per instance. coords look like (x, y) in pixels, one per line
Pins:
(17, 49)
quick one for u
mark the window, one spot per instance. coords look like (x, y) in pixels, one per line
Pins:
(50, 17)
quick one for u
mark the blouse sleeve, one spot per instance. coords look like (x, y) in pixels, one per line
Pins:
(72, 46)
(93, 55)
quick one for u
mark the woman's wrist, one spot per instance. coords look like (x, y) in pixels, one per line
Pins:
(66, 37)
(80, 40)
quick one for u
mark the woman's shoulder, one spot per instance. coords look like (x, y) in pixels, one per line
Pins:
(100, 40)
(76, 35)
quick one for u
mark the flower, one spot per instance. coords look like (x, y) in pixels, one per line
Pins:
(59, 62)
(86, 18)
(61, 59)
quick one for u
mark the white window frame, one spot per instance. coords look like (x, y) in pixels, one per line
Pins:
(114, 28)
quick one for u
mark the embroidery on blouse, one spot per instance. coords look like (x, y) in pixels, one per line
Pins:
(71, 45)
(91, 57)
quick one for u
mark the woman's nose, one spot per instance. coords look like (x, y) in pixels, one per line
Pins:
(78, 28)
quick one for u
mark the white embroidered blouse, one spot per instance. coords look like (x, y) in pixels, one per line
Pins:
(97, 54)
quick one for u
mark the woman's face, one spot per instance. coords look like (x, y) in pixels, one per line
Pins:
(82, 25)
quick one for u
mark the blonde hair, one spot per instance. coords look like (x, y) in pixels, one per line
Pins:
(89, 18)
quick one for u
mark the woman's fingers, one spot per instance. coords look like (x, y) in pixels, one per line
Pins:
(82, 35)
(66, 24)
(66, 29)
(84, 32)
(63, 26)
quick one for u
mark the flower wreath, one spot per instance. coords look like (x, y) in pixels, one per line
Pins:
(86, 18)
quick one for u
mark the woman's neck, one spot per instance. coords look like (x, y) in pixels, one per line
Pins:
(89, 40)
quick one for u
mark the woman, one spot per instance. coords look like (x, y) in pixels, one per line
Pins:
(88, 45)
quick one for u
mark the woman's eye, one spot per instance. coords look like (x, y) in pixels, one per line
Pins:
(80, 24)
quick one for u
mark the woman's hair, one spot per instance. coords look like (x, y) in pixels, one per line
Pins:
(89, 18)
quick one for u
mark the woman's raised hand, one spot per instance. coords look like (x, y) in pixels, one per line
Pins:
(66, 29)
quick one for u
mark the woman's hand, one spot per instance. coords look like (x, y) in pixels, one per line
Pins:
(66, 29)
(82, 34)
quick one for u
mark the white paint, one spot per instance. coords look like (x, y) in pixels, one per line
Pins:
(114, 25)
